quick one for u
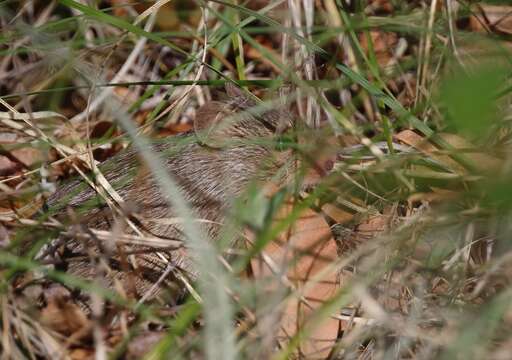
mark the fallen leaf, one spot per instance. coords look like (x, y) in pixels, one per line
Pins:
(494, 18)
(437, 195)
(141, 344)
(410, 138)
(8, 167)
(82, 354)
(484, 162)
(381, 5)
(63, 315)
(383, 44)
(119, 7)
(29, 156)
(335, 213)
(309, 242)
(255, 54)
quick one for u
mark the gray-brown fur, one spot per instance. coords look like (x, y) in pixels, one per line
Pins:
(210, 173)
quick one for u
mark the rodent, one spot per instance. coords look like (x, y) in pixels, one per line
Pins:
(212, 165)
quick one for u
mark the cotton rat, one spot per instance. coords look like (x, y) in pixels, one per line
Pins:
(212, 165)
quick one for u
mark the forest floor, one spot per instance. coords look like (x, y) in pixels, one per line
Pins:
(415, 94)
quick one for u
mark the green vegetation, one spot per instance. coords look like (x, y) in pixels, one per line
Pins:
(419, 201)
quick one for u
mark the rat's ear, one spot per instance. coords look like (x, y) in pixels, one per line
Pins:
(281, 115)
(208, 115)
(233, 90)
(285, 112)
(207, 120)
(239, 97)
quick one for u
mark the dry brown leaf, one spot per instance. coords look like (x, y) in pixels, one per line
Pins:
(119, 7)
(82, 354)
(254, 54)
(368, 228)
(125, 95)
(335, 213)
(381, 5)
(373, 225)
(310, 241)
(63, 315)
(173, 14)
(494, 18)
(414, 140)
(167, 18)
(18, 159)
(384, 44)
(8, 167)
(28, 156)
(141, 344)
(279, 13)
(175, 128)
(483, 162)
(437, 195)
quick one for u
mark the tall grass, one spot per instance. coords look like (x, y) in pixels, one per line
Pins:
(418, 201)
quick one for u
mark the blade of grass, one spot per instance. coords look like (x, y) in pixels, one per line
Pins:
(403, 114)
(213, 280)
(267, 20)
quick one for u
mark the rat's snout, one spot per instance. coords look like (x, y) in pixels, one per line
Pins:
(318, 170)
(328, 165)
(325, 165)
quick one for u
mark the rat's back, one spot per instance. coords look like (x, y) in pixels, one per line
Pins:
(210, 173)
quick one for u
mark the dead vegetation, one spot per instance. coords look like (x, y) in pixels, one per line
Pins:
(415, 212)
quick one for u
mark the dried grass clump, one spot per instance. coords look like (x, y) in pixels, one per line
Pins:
(418, 202)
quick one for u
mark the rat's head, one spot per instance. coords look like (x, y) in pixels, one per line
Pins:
(261, 140)
(239, 117)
